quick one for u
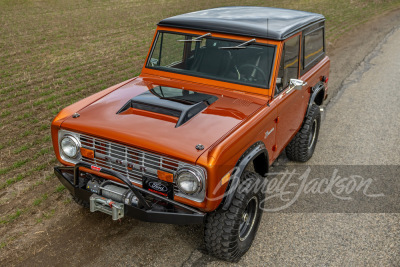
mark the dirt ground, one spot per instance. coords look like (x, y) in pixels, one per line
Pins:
(73, 236)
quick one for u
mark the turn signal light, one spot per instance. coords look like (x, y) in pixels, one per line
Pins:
(87, 153)
(165, 176)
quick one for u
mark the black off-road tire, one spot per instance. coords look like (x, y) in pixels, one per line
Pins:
(81, 202)
(225, 233)
(302, 147)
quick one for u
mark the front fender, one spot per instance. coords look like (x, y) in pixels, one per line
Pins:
(248, 156)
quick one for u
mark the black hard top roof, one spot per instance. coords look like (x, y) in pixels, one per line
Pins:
(261, 22)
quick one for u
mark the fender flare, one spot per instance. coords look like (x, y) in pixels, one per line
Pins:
(314, 92)
(248, 156)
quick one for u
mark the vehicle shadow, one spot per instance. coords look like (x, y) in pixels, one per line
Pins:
(80, 237)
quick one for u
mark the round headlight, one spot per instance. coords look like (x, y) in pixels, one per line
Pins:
(188, 181)
(70, 146)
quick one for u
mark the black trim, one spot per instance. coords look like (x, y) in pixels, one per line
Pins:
(186, 214)
(249, 155)
(172, 70)
(314, 92)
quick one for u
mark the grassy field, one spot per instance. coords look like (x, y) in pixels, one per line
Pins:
(53, 53)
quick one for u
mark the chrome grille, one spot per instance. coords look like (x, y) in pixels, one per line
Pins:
(130, 162)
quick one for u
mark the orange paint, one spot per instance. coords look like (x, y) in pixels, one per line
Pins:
(239, 118)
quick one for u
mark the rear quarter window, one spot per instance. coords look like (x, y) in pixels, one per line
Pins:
(313, 48)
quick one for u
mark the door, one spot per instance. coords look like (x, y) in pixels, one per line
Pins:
(289, 101)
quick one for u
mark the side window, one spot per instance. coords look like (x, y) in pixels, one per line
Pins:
(289, 67)
(313, 43)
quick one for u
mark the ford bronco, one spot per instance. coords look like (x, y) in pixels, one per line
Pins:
(221, 94)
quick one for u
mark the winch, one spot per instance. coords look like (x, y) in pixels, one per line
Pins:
(110, 197)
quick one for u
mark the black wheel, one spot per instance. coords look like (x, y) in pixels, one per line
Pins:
(302, 147)
(81, 202)
(229, 234)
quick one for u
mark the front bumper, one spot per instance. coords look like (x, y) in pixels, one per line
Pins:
(180, 214)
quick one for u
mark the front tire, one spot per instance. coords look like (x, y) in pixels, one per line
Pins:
(229, 234)
(302, 147)
(81, 202)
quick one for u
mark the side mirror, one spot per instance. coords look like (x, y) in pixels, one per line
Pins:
(297, 84)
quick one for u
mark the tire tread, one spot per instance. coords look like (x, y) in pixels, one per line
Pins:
(297, 149)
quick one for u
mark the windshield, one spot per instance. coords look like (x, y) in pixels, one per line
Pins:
(247, 63)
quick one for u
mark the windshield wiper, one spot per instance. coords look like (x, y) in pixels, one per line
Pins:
(240, 46)
(197, 39)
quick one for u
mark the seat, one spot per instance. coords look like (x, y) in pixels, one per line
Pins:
(211, 60)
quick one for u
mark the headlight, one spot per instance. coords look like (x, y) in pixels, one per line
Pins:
(70, 146)
(189, 180)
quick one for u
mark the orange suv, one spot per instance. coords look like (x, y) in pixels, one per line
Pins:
(221, 94)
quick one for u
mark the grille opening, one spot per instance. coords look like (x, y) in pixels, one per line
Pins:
(128, 161)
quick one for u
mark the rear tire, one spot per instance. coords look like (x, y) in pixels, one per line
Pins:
(229, 234)
(302, 147)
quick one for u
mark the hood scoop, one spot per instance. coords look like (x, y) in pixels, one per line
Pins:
(172, 102)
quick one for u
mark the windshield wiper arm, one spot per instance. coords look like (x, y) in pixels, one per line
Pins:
(197, 39)
(240, 46)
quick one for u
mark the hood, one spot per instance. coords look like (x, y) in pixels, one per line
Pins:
(162, 118)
